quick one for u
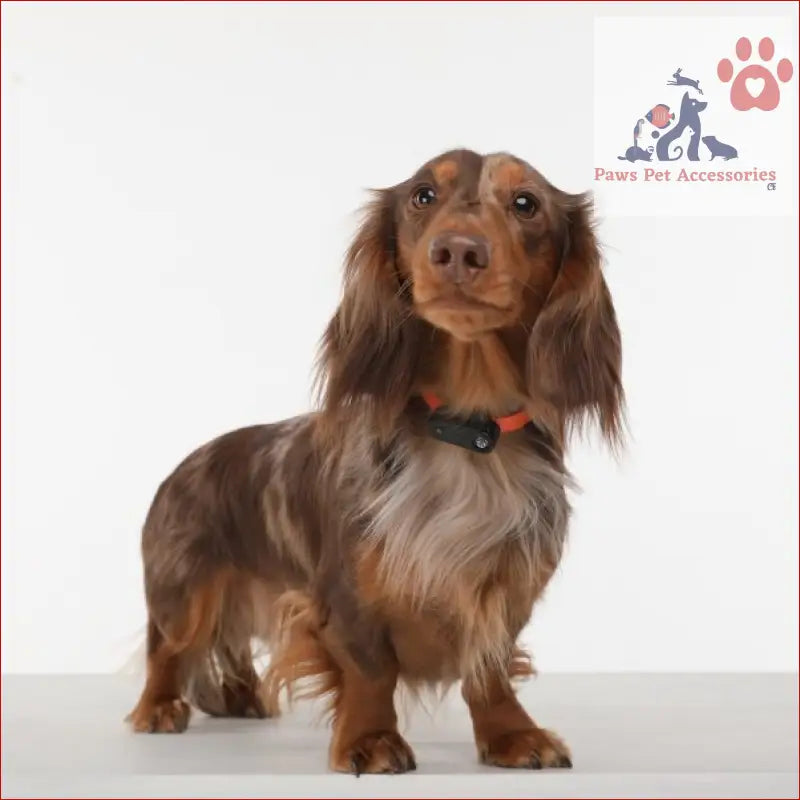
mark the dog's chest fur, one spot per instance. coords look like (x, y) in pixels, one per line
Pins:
(458, 548)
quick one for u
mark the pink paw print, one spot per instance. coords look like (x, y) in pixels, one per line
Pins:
(755, 86)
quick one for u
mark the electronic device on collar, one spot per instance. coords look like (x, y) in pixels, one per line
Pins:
(476, 433)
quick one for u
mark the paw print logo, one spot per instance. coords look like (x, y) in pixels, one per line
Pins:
(755, 85)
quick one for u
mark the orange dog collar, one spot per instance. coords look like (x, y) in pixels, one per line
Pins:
(513, 422)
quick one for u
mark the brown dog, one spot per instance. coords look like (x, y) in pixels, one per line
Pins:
(386, 538)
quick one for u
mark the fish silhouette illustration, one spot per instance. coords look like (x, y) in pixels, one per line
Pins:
(660, 116)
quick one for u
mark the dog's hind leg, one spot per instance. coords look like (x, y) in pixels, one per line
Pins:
(240, 687)
(228, 685)
(225, 683)
(175, 646)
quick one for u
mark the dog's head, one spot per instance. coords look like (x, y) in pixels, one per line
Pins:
(691, 107)
(474, 241)
(469, 248)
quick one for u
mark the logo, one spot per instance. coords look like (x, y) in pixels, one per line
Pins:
(710, 123)
(667, 130)
(754, 85)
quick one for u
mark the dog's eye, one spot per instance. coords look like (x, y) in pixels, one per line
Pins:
(424, 196)
(524, 204)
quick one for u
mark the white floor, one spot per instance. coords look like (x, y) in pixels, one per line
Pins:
(631, 735)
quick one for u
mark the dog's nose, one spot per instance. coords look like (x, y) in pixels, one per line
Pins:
(459, 256)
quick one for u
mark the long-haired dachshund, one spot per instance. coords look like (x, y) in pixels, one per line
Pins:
(404, 531)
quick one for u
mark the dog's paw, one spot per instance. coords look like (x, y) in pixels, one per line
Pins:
(168, 716)
(379, 751)
(535, 748)
(754, 85)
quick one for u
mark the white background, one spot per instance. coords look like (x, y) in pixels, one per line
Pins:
(178, 182)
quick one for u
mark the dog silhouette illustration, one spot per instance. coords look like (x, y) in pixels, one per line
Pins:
(688, 117)
(635, 153)
(717, 148)
(680, 80)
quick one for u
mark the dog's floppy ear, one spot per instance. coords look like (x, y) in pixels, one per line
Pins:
(574, 351)
(369, 352)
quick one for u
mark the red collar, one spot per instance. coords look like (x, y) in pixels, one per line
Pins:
(513, 422)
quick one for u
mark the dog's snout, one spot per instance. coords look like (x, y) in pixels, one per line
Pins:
(460, 257)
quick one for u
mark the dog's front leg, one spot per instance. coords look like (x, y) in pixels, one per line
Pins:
(365, 737)
(505, 734)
